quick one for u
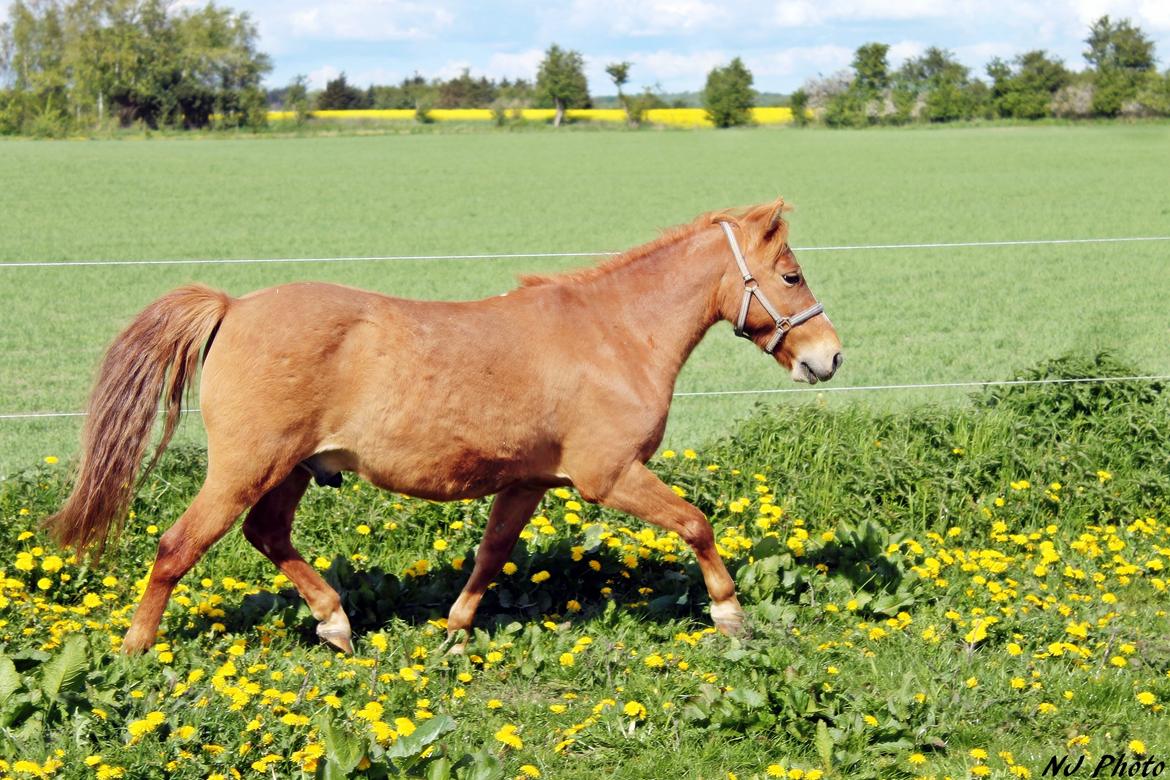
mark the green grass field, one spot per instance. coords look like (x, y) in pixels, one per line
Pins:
(904, 316)
(961, 589)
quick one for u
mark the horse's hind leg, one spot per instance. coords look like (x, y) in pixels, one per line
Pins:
(269, 527)
(210, 515)
(510, 512)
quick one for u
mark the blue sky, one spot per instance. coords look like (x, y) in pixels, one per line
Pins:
(671, 43)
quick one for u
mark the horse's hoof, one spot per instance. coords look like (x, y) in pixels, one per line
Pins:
(457, 641)
(335, 630)
(730, 619)
(132, 648)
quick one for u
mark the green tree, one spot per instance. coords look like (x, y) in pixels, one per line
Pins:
(339, 94)
(463, 91)
(619, 73)
(798, 102)
(1119, 45)
(871, 69)
(1024, 89)
(937, 84)
(1122, 56)
(139, 60)
(560, 81)
(296, 99)
(729, 96)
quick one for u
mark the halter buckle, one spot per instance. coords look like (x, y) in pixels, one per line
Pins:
(784, 325)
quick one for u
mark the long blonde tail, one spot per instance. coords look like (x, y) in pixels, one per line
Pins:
(157, 356)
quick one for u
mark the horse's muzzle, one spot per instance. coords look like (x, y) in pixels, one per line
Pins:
(812, 370)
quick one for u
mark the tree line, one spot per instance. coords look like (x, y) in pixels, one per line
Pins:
(1121, 79)
(68, 64)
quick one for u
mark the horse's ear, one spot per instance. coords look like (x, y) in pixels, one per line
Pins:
(776, 221)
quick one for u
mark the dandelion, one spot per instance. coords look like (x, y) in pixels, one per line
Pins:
(1137, 746)
(510, 568)
(371, 712)
(494, 704)
(51, 460)
(152, 721)
(540, 577)
(917, 759)
(567, 659)
(634, 710)
(529, 770)
(654, 661)
(507, 735)
(1147, 698)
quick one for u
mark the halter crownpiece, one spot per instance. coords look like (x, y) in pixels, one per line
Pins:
(751, 288)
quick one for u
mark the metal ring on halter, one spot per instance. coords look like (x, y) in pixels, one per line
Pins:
(751, 288)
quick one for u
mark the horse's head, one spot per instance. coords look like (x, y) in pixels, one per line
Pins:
(765, 296)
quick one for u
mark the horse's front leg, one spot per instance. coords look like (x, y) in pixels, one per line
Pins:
(512, 508)
(642, 494)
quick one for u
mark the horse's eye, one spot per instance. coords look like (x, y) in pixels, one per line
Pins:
(791, 279)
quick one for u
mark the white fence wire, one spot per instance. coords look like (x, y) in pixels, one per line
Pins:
(682, 394)
(527, 255)
(784, 390)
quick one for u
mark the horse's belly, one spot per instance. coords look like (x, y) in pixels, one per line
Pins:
(449, 473)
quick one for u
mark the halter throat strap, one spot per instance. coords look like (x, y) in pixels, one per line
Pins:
(751, 289)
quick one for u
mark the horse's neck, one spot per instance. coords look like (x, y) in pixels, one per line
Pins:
(665, 300)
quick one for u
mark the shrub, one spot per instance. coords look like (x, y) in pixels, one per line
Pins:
(798, 102)
(728, 96)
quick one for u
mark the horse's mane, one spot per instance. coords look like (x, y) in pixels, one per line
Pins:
(737, 216)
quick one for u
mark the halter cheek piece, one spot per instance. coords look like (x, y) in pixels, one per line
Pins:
(751, 288)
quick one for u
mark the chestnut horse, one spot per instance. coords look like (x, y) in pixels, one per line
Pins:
(564, 381)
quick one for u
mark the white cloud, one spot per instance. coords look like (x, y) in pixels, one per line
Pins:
(368, 20)
(800, 59)
(326, 73)
(1147, 14)
(514, 65)
(648, 17)
(904, 50)
(810, 13)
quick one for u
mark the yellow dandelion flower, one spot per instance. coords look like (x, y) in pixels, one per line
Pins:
(634, 710)
(507, 735)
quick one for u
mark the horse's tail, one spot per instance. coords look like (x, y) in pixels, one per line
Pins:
(156, 356)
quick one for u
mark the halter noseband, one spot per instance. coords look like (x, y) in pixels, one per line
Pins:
(752, 288)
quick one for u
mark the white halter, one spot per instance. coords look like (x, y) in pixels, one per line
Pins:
(752, 288)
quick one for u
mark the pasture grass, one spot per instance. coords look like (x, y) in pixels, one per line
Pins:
(942, 591)
(904, 316)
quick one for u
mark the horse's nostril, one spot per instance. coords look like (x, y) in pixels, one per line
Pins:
(838, 359)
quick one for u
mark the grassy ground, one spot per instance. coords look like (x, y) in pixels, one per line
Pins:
(964, 591)
(905, 316)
